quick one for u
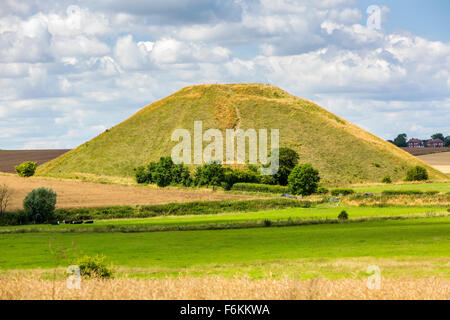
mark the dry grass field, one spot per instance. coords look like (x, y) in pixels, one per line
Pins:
(439, 161)
(20, 287)
(78, 194)
(11, 158)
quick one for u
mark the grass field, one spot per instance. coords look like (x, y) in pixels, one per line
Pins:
(443, 187)
(318, 213)
(241, 251)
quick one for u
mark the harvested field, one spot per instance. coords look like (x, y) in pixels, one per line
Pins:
(11, 158)
(425, 151)
(439, 161)
(78, 194)
(31, 287)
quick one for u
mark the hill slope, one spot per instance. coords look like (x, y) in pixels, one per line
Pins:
(343, 152)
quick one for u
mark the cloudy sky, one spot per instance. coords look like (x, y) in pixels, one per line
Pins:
(71, 69)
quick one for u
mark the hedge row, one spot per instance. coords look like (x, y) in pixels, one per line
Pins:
(187, 208)
(255, 187)
(407, 192)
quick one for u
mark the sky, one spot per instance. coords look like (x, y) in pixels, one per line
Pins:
(72, 69)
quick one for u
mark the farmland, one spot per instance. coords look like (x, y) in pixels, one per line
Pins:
(440, 161)
(11, 158)
(78, 194)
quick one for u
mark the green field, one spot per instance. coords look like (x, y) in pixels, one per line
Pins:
(318, 213)
(443, 187)
(243, 249)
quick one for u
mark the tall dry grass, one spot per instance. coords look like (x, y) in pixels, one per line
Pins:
(31, 287)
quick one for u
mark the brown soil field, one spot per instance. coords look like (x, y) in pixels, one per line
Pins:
(78, 194)
(15, 287)
(439, 161)
(424, 151)
(11, 158)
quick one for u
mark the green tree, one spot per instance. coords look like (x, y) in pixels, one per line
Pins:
(288, 159)
(26, 169)
(400, 141)
(39, 205)
(304, 180)
(416, 173)
(162, 174)
(438, 136)
(447, 141)
(210, 174)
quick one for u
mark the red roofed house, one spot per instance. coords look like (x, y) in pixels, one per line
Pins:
(435, 143)
(415, 143)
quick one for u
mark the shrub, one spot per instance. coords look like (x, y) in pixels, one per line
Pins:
(343, 215)
(386, 179)
(416, 173)
(181, 175)
(210, 174)
(142, 175)
(239, 176)
(400, 192)
(256, 187)
(4, 198)
(322, 190)
(94, 267)
(267, 223)
(304, 180)
(266, 179)
(341, 192)
(39, 205)
(26, 169)
(163, 173)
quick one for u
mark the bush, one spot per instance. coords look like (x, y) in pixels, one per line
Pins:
(39, 205)
(386, 179)
(266, 179)
(210, 174)
(4, 198)
(341, 192)
(163, 173)
(26, 169)
(400, 192)
(94, 267)
(343, 215)
(267, 223)
(256, 187)
(416, 173)
(322, 190)
(239, 176)
(304, 180)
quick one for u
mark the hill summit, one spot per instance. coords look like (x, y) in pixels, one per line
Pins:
(343, 152)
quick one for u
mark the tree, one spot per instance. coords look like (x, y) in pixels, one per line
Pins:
(162, 173)
(210, 174)
(304, 180)
(438, 136)
(39, 205)
(288, 159)
(447, 141)
(400, 141)
(26, 169)
(416, 173)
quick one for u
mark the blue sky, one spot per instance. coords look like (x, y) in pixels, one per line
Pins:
(71, 69)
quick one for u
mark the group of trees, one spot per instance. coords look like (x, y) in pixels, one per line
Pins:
(402, 139)
(302, 179)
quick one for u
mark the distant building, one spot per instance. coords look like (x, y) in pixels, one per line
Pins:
(415, 143)
(435, 143)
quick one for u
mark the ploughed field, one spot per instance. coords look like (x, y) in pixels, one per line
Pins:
(78, 194)
(11, 158)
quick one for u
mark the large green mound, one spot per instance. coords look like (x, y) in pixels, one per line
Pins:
(343, 152)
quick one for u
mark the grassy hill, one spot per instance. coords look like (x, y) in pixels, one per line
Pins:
(343, 152)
